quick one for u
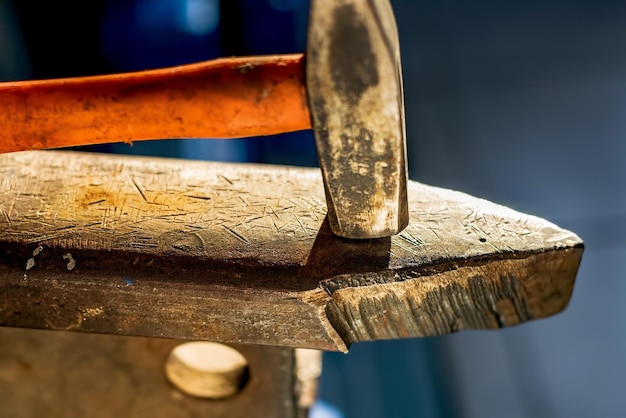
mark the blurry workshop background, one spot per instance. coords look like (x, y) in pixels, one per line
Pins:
(519, 102)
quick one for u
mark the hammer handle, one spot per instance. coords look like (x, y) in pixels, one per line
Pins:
(223, 98)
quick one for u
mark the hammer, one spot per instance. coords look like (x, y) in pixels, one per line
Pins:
(348, 88)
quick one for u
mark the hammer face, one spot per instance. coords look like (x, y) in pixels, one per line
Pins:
(354, 86)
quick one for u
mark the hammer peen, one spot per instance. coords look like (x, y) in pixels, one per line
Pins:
(348, 89)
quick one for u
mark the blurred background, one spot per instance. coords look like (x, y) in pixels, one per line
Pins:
(519, 102)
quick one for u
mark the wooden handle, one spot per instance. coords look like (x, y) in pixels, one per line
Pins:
(224, 98)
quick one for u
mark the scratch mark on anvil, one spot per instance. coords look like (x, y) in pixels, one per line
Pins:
(411, 249)
(138, 189)
(62, 233)
(200, 238)
(301, 226)
(276, 226)
(283, 209)
(271, 210)
(170, 215)
(199, 197)
(227, 180)
(435, 233)
(32, 220)
(246, 221)
(236, 234)
(63, 228)
(411, 239)
(279, 228)
(6, 215)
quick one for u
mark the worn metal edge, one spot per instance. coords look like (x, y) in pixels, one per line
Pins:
(475, 294)
(444, 297)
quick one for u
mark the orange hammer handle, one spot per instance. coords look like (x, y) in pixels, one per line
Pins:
(223, 98)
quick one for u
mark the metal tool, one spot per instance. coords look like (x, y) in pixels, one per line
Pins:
(214, 251)
(352, 89)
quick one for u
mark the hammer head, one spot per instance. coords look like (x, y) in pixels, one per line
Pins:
(354, 87)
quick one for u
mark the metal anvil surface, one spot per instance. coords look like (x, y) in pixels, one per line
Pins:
(243, 254)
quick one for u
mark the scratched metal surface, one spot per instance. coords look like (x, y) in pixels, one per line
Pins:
(200, 209)
(243, 253)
